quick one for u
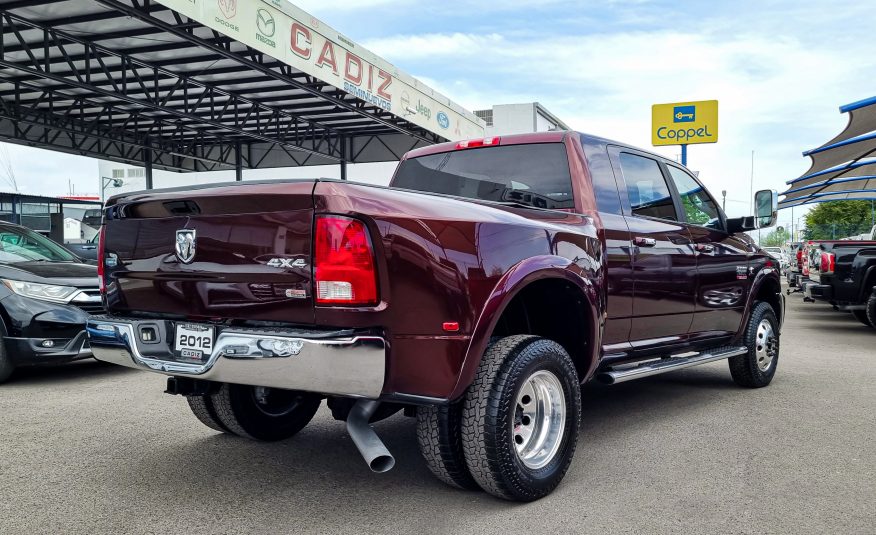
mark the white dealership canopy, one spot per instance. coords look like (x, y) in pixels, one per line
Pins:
(203, 85)
(844, 168)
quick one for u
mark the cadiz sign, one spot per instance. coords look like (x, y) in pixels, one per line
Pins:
(285, 32)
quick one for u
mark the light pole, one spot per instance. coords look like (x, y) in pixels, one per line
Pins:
(724, 201)
(751, 188)
(107, 182)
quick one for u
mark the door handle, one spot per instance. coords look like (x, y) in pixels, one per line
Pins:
(645, 242)
(705, 248)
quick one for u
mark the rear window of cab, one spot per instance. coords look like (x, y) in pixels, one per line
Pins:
(534, 174)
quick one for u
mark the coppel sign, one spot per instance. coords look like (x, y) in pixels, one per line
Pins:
(684, 123)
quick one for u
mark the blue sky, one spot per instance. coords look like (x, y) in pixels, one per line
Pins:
(779, 69)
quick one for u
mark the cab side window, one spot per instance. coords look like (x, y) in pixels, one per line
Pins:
(699, 208)
(647, 188)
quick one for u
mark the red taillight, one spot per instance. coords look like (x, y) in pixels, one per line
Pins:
(828, 262)
(474, 143)
(343, 263)
(799, 258)
(101, 258)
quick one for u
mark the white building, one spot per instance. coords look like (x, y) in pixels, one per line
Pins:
(507, 119)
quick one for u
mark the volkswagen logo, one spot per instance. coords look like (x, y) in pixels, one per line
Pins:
(185, 245)
(265, 23)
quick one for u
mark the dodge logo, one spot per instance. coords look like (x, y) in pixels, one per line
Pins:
(185, 245)
(228, 8)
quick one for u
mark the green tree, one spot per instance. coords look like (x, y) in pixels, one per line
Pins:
(838, 219)
(776, 238)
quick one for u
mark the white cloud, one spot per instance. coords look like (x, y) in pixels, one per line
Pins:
(319, 6)
(779, 69)
(433, 45)
(778, 96)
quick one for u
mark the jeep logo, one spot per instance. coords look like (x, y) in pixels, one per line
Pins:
(287, 263)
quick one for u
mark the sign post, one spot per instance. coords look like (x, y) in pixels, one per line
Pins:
(684, 123)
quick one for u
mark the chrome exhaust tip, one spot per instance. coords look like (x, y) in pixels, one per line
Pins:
(372, 449)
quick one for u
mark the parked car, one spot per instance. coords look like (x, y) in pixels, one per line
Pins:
(843, 273)
(92, 217)
(86, 250)
(867, 236)
(794, 272)
(46, 296)
(777, 254)
(479, 291)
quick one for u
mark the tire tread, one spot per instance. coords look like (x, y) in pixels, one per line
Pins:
(743, 368)
(439, 437)
(203, 409)
(486, 460)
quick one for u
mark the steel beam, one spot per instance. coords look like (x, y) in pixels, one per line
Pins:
(144, 77)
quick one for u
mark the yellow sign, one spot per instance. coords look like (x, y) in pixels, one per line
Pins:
(684, 123)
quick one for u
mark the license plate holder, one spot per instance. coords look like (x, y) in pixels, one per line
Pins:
(194, 342)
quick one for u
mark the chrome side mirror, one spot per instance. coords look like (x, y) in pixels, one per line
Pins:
(766, 204)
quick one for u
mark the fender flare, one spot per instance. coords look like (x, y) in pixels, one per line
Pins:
(869, 275)
(761, 278)
(512, 282)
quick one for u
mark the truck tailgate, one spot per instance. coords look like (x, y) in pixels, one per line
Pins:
(239, 251)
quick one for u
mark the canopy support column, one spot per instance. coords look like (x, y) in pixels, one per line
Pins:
(238, 162)
(147, 167)
(343, 158)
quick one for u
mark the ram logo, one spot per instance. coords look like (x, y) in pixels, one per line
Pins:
(287, 263)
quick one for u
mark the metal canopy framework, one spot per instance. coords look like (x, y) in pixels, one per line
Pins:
(844, 168)
(133, 81)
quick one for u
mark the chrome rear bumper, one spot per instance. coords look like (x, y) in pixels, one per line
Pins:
(349, 366)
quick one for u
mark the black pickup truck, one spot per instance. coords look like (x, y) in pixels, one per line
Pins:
(843, 273)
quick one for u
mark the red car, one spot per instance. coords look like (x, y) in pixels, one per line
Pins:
(477, 292)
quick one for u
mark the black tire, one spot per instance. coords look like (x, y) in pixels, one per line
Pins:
(6, 365)
(863, 317)
(491, 407)
(280, 418)
(439, 436)
(203, 409)
(749, 370)
(871, 310)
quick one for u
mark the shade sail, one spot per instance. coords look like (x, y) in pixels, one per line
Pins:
(864, 195)
(844, 168)
(862, 120)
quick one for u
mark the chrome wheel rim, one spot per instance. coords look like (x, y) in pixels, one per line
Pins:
(766, 345)
(539, 419)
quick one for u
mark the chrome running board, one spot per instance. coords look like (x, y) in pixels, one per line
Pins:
(654, 367)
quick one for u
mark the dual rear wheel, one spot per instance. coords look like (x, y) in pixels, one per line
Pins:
(514, 433)
(867, 315)
(255, 412)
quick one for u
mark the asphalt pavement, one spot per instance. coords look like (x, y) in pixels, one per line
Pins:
(92, 448)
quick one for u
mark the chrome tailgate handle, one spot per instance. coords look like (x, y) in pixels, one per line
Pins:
(645, 242)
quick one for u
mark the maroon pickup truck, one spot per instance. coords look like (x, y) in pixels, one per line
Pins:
(477, 293)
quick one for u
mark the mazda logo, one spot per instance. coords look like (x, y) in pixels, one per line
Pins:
(265, 23)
